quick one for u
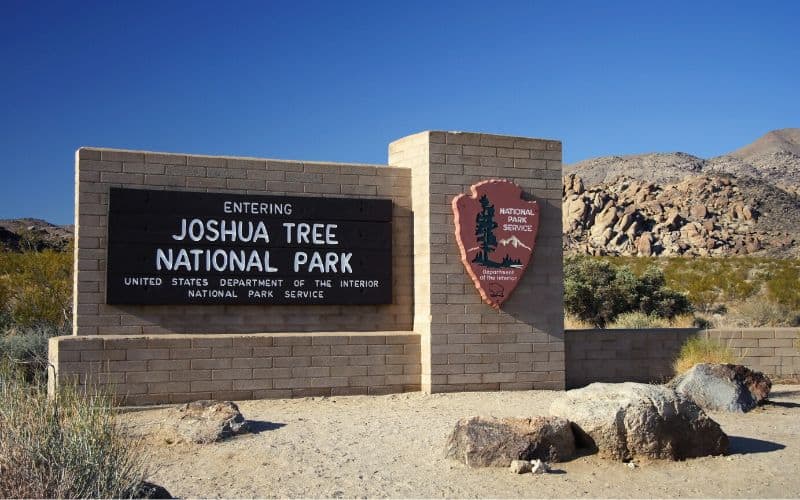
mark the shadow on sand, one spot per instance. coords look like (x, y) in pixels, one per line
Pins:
(784, 394)
(259, 426)
(782, 404)
(739, 445)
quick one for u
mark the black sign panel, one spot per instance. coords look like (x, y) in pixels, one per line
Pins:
(177, 247)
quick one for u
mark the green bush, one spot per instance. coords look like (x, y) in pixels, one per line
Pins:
(597, 291)
(68, 446)
(36, 288)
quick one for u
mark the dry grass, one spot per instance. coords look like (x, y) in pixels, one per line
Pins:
(700, 350)
(66, 447)
(574, 323)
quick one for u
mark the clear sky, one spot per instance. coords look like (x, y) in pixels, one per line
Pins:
(339, 80)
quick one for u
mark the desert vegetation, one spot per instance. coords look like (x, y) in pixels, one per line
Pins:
(35, 304)
(66, 446)
(701, 350)
(721, 292)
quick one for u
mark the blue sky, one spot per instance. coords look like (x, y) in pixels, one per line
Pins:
(339, 80)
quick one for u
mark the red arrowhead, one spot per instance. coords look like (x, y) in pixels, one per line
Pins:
(496, 233)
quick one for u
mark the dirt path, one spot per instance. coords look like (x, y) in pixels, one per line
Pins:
(391, 446)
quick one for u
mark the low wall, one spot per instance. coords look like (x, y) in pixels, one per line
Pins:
(180, 368)
(647, 355)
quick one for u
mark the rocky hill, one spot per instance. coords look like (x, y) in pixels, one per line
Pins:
(744, 202)
(33, 234)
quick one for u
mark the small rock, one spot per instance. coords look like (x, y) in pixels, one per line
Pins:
(520, 466)
(495, 442)
(205, 421)
(539, 467)
(631, 465)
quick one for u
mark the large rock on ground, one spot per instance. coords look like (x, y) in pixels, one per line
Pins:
(630, 420)
(205, 422)
(496, 442)
(723, 387)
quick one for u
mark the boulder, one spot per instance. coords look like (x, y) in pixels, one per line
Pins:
(604, 220)
(519, 466)
(644, 245)
(723, 387)
(631, 420)
(496, 442)
(205, 421)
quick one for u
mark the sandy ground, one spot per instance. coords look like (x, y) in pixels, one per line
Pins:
(392, 446)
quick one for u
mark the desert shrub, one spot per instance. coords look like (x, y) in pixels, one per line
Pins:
(639, 319)
(759, 311)
(36, 288)
(783, 286)
(27, 348)
(68, 446)
(596, 291)
(701, 350)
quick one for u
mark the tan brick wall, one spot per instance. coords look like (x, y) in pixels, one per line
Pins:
(179, 368)
(97, 170)
(437, 335)
(774, 351)
(467, 345)
(647, 355)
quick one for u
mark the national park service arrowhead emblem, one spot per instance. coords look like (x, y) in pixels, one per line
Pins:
(496, 233)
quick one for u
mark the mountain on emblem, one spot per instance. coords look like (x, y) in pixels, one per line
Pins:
(496, 233)
(514, 242)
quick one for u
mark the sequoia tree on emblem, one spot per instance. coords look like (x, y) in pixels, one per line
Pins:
(496, 233)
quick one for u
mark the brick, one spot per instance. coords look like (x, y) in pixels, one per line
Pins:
(168, 387)
(292, 361)
(231, 352)
(147, 376)
(231, 374)
(169, 364)
(259, 373)
(251, 363)
(210, 364)
(145, 354)
(211, 385)
(252, 385)
(311, 371)
(193, 353)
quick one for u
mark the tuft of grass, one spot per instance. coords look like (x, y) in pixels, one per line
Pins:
(27, 348)
(67, 446)
(639, 320)
(572, 322)
(701, 350)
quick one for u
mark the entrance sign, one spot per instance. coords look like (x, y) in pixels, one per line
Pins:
(177, 247)
(496, 233)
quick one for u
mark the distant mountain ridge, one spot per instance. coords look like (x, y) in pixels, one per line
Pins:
(33, 234)
(773, 158)
(743, 202)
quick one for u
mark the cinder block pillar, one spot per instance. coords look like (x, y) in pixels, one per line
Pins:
(465, 344)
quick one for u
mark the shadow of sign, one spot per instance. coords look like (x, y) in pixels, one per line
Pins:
(740, 444)
(259, 426)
